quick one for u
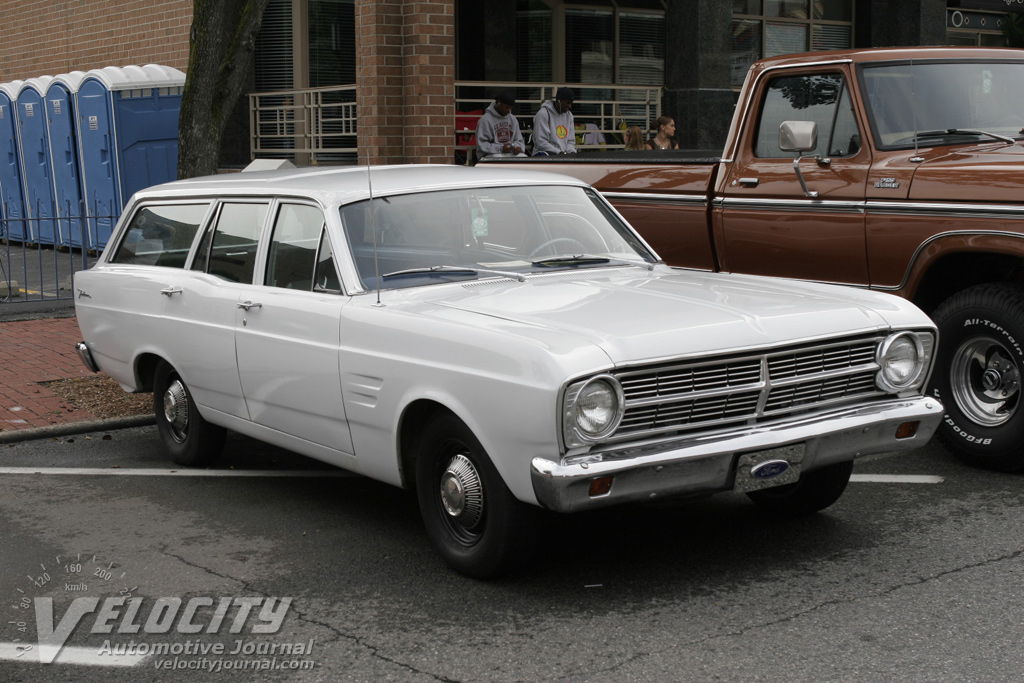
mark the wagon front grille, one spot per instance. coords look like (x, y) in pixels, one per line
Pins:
(685, 395)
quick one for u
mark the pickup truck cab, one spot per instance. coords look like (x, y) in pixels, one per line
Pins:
(899, 170)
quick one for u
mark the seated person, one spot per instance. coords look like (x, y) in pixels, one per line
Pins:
(497, 131)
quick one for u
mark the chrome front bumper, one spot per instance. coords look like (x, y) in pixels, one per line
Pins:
(707, 464)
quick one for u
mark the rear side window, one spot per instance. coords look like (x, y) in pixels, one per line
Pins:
(229, 247)
(161, 235)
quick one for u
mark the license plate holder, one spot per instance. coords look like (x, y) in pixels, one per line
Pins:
(769, 468)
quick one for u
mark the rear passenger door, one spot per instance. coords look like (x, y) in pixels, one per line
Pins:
(287, 335)
(201, 303)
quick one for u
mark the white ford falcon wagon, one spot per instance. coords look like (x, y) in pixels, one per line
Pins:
(500, 342)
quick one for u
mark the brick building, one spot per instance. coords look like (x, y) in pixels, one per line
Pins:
(397, 72)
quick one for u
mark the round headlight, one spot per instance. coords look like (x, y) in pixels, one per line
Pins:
(598, 408)
(901, 358)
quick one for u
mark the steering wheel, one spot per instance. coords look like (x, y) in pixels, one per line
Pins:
(556, 240)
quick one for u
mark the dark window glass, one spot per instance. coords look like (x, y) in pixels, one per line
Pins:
(161, 235)
(235, 241)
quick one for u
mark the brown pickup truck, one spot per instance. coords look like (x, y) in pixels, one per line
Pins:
(901, 170)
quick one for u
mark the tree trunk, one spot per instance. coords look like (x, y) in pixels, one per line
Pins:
(220, 57)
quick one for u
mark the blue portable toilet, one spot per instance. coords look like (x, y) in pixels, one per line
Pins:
(127, 133)
(64, 161)
(12, 206)
(36, 174)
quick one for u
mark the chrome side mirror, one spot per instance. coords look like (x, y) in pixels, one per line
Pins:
(798, 136)
(801, 137)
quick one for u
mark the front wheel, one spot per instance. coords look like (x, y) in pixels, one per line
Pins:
(814, 491)
(978, 375)
(477, 525)
(190, 440)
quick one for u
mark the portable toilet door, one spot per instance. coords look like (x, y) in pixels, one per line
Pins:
(101, 180)
(12, 206)
(128, 132)
(64, 161)
(146, 107)
(37, 177)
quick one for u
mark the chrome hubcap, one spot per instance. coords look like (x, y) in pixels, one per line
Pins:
(985, 382)
(462, 492)
(176, 406)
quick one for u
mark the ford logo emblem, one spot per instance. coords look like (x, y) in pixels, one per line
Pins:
(769, 469)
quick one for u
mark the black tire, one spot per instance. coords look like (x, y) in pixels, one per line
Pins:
(475, 523)
(814, 491)
(189, 439)
(978, 375)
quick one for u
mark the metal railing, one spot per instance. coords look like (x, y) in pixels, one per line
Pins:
(319, 125)
(601, 112)
(309, 126)
(39, 256)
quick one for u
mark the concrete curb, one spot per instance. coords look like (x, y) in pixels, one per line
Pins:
(18, 435)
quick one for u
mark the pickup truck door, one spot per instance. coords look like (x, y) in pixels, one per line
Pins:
(767, 224)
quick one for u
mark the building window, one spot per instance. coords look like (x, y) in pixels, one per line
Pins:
(766, 28)
(602, 42)
(976, 27)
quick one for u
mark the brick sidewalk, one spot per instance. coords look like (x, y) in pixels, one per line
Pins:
(33, 352)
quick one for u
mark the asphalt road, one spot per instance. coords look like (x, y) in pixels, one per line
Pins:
(906, 580)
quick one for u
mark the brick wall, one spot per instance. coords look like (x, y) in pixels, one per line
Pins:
(59, 36)
(406, 80)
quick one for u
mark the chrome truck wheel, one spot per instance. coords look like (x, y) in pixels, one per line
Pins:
(978, 375)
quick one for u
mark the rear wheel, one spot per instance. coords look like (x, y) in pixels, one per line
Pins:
(977, 375)
(474, 521)
(814, 491)
(190, 440)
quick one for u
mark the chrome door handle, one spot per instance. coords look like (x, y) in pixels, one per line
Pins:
(170, 291)
(249, 304)
(749, 181)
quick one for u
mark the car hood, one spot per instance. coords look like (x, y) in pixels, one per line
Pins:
(992, 171)
(635, 315)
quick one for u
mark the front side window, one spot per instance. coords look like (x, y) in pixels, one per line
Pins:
(822, 98)
(229, 247)
(431, 237)
(295, 260)
(161, 235)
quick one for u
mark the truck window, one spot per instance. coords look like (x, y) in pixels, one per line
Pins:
(822, 98)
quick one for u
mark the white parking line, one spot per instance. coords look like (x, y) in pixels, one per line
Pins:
(154, 472)
(896, 479)
(26, 652)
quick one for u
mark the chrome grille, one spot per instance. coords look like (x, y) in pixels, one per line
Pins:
(681, 396)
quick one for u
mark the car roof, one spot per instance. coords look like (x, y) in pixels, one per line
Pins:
(345, 184)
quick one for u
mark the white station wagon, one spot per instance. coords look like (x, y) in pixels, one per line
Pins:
(498, 341)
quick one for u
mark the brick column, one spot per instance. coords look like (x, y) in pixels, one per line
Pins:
(406, 81)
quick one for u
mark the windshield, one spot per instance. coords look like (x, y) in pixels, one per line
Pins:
(944, 102)
(455, 235)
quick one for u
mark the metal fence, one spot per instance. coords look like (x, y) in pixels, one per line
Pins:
(319, 125)
(313, 125)
(601, 112)
(40, 256)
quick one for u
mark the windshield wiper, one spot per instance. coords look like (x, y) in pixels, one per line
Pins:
(964, 131)
(586, 260)
(453, 270)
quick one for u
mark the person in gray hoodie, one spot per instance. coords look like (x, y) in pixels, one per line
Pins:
(497, 131)
(554, 130)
